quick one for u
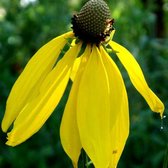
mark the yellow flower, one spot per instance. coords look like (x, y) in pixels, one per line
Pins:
(96, 115)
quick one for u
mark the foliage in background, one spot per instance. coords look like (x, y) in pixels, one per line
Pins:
(25, 25)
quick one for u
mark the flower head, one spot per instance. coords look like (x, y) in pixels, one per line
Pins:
(93, 23)
(96, 115)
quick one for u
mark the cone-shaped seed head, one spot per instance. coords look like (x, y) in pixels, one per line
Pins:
(93, 22)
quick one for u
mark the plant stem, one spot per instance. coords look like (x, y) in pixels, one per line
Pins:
(87, 162)
(165, 163)
(83, 159)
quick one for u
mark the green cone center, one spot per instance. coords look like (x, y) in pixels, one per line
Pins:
(93, 22)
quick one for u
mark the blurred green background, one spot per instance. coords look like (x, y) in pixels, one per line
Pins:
(141, 26)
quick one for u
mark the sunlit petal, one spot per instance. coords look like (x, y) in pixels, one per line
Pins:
(69, 130)
(115, 85)
(137, 77)
(93, 111)
(37, 111)
(120, 131)
(26, 86)
(119, 114)
(75, 68)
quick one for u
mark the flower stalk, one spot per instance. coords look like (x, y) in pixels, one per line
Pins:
(165, 163)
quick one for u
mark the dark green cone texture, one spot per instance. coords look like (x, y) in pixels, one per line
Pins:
(90, 23)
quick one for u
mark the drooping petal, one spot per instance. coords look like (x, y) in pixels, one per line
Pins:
(26, 86)
(119, 109)
(69, 130)
(120, 131)
(37, 111)
(75, 68)
(116, 85)
(93, 111)
(137, 78)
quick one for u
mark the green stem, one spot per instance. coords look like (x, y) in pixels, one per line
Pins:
(83, 159)
(165, 164)
(87, 161)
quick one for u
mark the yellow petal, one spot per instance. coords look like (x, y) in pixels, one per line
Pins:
(119, 132)
(26, 86)
(118, 110)
(137, 78)
(116, 85)
(69, 130)
(37, 111)
(93, 111)
(75, 68)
